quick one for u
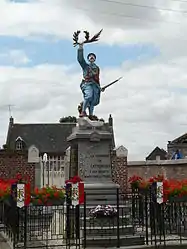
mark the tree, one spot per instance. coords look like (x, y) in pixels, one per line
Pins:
(69, 119)
(5, 147)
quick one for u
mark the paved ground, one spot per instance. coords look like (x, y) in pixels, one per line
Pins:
(3, 243)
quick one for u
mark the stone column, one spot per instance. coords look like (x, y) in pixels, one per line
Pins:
(119, 168)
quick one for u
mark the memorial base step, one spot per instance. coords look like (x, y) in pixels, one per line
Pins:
(94, 222)
(101, 193)
(111, 241)
(109, 231)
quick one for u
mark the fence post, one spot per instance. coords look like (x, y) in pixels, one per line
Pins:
(15, 223)
(25, 225)
(146, 219)
(68, 229)
(77, 225)
(118, 231)
(133, 205)
(84, 245)
(68, 214)
(12, 214)
(163, 222)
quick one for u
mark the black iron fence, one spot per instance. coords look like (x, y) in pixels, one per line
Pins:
(40, 226)
(139, 220)
(160, 224)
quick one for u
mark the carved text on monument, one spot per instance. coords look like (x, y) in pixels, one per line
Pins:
(98, 171)
(106, 155)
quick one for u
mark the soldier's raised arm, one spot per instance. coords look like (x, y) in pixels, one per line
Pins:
(80, 56)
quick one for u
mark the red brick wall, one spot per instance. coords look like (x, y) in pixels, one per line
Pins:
(12, 163)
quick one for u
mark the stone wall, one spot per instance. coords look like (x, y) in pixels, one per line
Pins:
(12, 163)
(171, 169)
(122, 170)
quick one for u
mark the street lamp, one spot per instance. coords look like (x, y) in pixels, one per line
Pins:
(44, 159)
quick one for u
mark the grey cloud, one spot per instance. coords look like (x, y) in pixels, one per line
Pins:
(146, 110)
(149, 105)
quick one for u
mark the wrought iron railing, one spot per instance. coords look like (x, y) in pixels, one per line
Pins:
(139, 221)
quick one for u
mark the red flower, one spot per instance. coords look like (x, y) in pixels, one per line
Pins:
(135, 178)
(39, 202)
(56, 194)
(36, 191)
(19, 177)
(144, 184)
(74, 180)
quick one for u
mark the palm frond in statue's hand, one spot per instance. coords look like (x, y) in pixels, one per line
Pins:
(87, 35)
(76, 38)
(94, 38)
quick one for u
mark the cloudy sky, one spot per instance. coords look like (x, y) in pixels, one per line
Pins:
(143, 41)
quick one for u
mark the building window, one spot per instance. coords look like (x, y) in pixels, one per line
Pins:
(19, 143)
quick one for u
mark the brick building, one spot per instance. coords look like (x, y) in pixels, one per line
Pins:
(48, 138)
(14, 162)
(180, 144)
(157, 154)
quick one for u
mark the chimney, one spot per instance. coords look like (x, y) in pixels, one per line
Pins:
(110, 120)
(11, 121)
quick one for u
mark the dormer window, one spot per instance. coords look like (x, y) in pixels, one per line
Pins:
(19, 143)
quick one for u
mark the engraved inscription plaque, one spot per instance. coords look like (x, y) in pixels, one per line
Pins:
(94, 161)
(98, 171)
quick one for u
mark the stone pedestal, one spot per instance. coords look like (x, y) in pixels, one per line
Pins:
(90, 158)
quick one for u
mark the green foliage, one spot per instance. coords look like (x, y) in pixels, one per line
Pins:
(5, 147)
(69, 119)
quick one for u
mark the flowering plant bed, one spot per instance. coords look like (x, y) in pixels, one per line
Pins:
(138, 182)
(44, 196)
(173, 190)
(4, 190)
(6, 185)
(48, 196)
(102, 211)
(135, 181)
